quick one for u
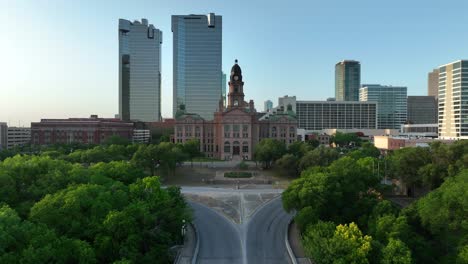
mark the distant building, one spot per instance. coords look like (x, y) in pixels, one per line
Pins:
(223, 88)
(236, 129)
(419, 130)
(268, 106)
(433, 83)
(18, 136)
(422, 110)
(385, 143)
(197, 62)
(93, 130)
(388, 143)
(347, 80)
(141, 136)
(391, 101)
(453, 100)
(286, 103)
(3, 135)
(318, 115)
(139, 71)
(162, 128)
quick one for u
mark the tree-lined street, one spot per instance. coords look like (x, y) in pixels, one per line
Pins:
(258, 238)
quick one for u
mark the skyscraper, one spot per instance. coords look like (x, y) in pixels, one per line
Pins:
(197, 60)
(268, 105)
(422, 110)
(3, 135)
(347, 80)
(139, 71)
(453, 100)
(223, 88)
(391, 104)
(433, 83)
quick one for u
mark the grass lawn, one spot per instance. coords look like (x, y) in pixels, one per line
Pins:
(238, 174)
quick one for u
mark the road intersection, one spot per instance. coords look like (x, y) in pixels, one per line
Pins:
(239, 226)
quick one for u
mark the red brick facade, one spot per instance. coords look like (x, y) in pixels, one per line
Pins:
(92, 130)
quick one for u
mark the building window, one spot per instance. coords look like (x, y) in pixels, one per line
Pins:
(273, 132)
(245, 147)
(227, 147)
(227, 131)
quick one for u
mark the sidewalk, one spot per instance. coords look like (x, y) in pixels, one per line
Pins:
(296, 246)
(186, 253)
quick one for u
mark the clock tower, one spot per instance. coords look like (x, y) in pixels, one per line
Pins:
(236, 88)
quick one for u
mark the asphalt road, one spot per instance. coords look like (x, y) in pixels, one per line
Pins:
(219, 237)
(266, 233)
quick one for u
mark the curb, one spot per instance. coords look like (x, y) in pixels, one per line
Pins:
(197, 246)
(288, 246)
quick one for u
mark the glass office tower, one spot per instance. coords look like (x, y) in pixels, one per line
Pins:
(197, 60)
(139, 71)
(391, 104)
(223, 88)
(347, 80)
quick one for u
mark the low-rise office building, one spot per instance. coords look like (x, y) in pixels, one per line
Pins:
(18, 136)
(93, 130)
(319, 115)
(141, 136)
(419, 130)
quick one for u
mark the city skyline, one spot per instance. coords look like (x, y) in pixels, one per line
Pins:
(81, 38)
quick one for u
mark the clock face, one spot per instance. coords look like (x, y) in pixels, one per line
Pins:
(236, 77)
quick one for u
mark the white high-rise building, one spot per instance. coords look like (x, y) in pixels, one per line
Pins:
(453, 100)
(139, 71)
(197, 62)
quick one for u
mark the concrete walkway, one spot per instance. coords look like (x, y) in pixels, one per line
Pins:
(296, 245)
(188, 250)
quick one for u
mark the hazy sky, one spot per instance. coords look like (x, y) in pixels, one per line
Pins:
(60, 58)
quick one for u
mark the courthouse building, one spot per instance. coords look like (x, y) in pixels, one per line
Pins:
(236, 128)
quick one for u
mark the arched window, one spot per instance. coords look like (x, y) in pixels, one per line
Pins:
(227, 147)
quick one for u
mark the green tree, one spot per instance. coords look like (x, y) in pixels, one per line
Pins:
(287, 165)
(25, 242)
(117, 170)
(345, 139)
(346, 244)
(116, 140)
(299, 148)
(321, 156)
(396, 252)
(268, 150)
(192, 149)
(405, 164)
(443, 213)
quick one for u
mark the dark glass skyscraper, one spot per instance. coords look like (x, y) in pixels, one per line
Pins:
(347, 80)
(139, 71)
(197, 61)
(422, 110)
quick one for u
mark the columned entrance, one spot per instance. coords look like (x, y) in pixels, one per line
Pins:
(236, 148)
